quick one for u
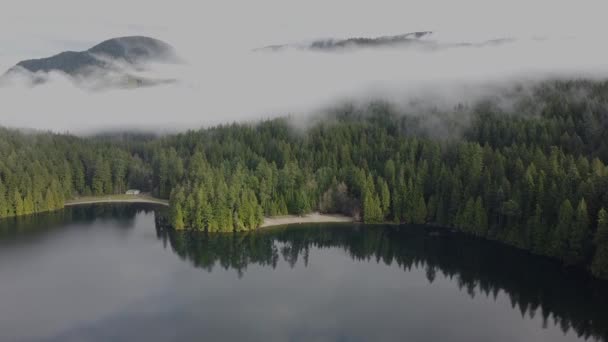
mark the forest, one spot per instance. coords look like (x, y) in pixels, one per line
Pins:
(532, 174)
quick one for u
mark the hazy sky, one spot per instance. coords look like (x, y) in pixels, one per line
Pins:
(223, 80)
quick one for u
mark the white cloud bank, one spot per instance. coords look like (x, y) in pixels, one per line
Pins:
(223, 80)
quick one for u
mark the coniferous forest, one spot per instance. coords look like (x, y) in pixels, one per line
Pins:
(532, 174)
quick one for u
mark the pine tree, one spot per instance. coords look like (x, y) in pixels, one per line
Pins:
(301, 203)
(397, 199)
(189, 210)
(385, 197)
(3, 203)
(561, 234)
(454, 202)
(420, 213)
(372, 211)
(18, 204)
(599, 266)
(28, 204)
(480, 218)
(282, 205)
(199, 219)
(431, 209)
(178, 217)
(49, 200)
(538, 231)
(100, 177)
(78, 176)
(441, 217)
(389, 172)
(176, 201)
(466, 216)
(579, 234)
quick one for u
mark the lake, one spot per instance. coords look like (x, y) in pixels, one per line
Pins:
(113, 273)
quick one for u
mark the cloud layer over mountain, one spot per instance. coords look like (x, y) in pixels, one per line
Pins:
(222, 79)
(113, 63)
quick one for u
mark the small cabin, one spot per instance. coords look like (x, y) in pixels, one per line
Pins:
(132, 192)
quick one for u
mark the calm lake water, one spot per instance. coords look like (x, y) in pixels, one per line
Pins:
(111, 273)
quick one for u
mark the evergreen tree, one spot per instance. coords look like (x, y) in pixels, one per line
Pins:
(480, 218)
(538, 231)
(177, 212)
(385, 197)
(420, 212)
(18, 204)
(559, 246)
(512, 178)
(599, 266)
(579, 234)
(372, 211)
(4, 211)
(302, 206)
(178, 217)
(49, 200)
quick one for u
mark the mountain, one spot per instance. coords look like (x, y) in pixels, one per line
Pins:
(422, 39)
(115, 60)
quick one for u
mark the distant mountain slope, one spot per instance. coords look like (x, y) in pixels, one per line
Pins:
(403, 39)
(69, 62)
(117, 57)
(136, 49)
(412, 39)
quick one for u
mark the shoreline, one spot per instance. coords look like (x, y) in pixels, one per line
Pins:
(115, 199)
(309, 218)
(274, 221)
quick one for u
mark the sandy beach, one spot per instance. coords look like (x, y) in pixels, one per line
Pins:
(310, 218)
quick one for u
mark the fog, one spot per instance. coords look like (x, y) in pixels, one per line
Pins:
(223, 80)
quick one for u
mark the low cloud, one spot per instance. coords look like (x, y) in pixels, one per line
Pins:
(218, 86)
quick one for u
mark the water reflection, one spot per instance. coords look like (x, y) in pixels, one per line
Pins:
(535, 286)
(34, 225)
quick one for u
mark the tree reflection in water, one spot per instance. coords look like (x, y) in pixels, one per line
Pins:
(535, 285)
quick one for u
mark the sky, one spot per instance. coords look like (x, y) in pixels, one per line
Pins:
(222, 80)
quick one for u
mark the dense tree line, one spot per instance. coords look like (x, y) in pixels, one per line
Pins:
(38, 172)
(533, 176)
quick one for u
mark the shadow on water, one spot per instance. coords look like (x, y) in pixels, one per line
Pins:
(535, 286)
(36, 225)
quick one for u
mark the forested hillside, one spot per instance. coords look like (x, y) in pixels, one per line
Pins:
(533, 176)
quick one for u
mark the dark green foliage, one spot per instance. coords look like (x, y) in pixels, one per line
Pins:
(561, 233)
(579, 234)
(535, 179)
(39, 171)
(599, 267)
(372, 207)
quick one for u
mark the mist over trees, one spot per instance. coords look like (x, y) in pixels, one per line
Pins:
(534, 177)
